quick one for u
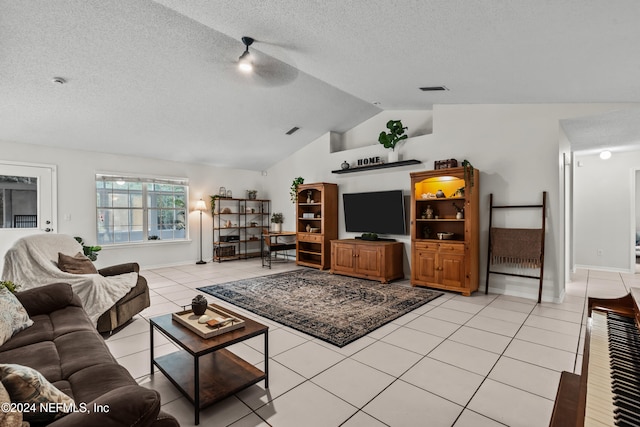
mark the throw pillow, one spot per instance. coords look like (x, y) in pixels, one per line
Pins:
(13, 316)
(77, 264)
(27, 386)
(8, 417)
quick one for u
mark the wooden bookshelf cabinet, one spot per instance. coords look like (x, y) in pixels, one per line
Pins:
(451, 263)
(316, 224)
(374, 260)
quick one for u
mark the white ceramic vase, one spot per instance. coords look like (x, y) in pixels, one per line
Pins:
(393, 156)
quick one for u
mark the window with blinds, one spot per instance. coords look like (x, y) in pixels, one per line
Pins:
(132, 209)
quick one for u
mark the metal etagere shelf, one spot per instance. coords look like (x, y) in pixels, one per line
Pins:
(237, 226)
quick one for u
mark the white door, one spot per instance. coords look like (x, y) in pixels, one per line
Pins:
(27, 202)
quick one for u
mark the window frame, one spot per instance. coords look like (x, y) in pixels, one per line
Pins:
(147, 184)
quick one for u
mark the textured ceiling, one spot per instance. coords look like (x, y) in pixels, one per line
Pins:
(158, 79)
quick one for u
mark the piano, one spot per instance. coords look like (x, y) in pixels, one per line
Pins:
(607, 392)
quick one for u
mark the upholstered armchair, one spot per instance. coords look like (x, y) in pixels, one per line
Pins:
(111, 296)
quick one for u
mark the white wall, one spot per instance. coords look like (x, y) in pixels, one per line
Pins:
(516, 147)
(77, 197)
(604, 210)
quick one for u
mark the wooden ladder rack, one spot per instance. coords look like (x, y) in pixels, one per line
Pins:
(542, 206)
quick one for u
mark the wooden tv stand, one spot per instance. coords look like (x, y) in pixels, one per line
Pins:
(374, 260)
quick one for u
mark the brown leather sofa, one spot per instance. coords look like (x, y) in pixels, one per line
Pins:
(64, 346)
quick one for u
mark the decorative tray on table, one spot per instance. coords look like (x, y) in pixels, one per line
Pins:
(219, 323)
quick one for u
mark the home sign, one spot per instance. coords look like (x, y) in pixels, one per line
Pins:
(369, 161)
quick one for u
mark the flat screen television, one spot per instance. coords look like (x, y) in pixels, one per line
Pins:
(380, 212)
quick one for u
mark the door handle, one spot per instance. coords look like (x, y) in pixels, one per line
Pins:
(48, 230)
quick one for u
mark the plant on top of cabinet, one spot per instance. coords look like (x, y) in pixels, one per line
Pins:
(293, 191)
(468, 173)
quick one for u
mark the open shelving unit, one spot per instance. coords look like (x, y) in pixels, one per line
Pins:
(237, 227)
(316, 224)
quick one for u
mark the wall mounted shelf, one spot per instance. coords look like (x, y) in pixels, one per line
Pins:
(378, 166)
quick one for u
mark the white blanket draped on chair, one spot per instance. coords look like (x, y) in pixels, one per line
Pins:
(33, 262)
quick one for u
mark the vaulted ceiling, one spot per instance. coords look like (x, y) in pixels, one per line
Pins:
(159, 78)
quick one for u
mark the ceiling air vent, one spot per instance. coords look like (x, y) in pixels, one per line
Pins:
(293, 130)
(433, 88)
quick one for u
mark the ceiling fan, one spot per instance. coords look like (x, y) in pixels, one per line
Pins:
(263, 69)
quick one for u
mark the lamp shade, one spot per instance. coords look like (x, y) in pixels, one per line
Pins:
(200, 205)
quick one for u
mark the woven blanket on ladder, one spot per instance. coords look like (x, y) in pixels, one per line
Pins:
(518, 247)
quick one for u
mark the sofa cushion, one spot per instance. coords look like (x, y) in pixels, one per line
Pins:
(41, 330)
(77, 264)
(26, 385)
(80, 350)
(42, 356)
(47, 299)
(13, 316)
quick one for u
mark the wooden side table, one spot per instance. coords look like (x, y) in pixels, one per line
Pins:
(206, 372)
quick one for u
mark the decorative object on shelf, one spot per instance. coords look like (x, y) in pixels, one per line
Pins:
(459, 192)
(199, 305)
(440, 194)
(426, 232)
(315, 229)
(293, 191)
(447, 235)
(212, 202)
(252, 194)
(445, 164)
(277, 219)
(309, 196)
(380, 165)
(345, 165)
(200, 206)
(226, 210)
(392, 138)
(222, 192)
(308, 228)
(428, 212)
(369, 161)
(229, 194)
(459, 211)
(468, 173)
(90, 252)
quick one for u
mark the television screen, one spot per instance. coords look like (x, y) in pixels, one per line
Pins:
(380, 212)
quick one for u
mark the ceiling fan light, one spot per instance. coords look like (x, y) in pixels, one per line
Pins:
(245, 64)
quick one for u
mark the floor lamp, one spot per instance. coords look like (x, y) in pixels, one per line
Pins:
(200, 206)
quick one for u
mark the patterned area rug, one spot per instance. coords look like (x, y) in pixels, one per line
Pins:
(333, 308)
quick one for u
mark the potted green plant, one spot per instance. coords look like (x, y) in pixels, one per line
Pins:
(293, 191)
(277, 219)
(9, 285)
(468, 174)
(90, 252)
(391, 138)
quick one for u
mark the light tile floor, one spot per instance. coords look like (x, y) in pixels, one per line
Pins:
(484, 360)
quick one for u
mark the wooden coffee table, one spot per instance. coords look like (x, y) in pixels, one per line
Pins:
(206, 372)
